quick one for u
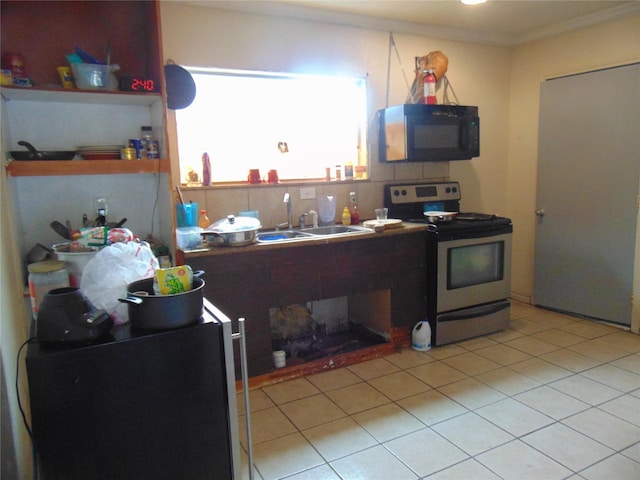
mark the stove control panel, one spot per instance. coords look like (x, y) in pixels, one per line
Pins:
(422, 192)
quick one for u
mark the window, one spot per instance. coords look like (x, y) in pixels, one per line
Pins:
(297, 124)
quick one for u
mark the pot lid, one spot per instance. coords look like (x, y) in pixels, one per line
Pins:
(234, 224)
(181, 89)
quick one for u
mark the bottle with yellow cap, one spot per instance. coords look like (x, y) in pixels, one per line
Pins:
(346, 216)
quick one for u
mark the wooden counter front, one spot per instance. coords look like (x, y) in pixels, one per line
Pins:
(245, 282)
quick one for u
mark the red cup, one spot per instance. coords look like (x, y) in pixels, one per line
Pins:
(254, 176)
(272, 176)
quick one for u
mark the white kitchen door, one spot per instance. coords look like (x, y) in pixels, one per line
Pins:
(587, 193)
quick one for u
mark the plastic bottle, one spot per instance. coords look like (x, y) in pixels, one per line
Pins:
(355, 215)
(421, 336)
(348, 171)
(150, 145)
(203, 220)
(346, 216)
(206, 170)
(430, 88)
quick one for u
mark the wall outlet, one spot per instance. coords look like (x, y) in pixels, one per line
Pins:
(307, 193)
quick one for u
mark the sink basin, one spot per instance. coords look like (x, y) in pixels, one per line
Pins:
(280, 236)
(271, 236)
(336, 230)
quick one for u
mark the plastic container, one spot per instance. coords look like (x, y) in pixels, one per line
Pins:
(188, 238)
(151, 145)
(279, 359)
(45, 276)
(75, 260)
(348, 171)
(187, 214)
(327, 209)
(421, 336)
(89, 76)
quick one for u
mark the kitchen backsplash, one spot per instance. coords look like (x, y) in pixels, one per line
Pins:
(268, 199)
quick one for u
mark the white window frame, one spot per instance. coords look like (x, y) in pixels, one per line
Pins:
(301, 152)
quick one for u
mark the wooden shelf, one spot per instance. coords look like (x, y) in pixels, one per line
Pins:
(17, 168)
(105, 97)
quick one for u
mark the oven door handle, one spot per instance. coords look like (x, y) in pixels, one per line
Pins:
(474, 313)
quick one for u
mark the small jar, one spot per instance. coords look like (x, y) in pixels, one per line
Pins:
(151, 145)
(129, 153)
(348, 171)
(45, 276)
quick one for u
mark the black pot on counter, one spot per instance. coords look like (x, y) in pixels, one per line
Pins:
(163, 312)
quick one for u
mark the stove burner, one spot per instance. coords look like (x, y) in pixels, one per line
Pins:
(472, 216)
(460, 217)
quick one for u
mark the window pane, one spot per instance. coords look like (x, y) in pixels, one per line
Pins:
(240, 118)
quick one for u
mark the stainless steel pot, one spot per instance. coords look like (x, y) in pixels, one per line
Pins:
(232, 232)
(162, 312)
(439, 217)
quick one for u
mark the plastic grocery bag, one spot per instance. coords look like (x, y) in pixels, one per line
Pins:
(107, 274)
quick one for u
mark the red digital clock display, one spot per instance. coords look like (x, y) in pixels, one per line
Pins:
(129, 83)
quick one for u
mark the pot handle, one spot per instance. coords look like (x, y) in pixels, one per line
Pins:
(198, 273)
(132, 300)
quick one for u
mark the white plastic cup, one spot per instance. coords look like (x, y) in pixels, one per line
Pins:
(279, 359)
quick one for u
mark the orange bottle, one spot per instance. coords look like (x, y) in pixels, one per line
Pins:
(203, 220)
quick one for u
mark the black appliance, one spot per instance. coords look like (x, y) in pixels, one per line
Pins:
(427, 133)
(138, 405)
(468, 261)
(67, 316)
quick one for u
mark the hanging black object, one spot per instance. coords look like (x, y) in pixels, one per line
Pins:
(181, 89)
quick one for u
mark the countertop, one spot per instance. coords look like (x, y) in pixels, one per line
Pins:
(406, 228)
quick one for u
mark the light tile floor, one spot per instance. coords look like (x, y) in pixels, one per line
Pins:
(552, 397)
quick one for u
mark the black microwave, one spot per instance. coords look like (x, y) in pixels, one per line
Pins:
(428, 133)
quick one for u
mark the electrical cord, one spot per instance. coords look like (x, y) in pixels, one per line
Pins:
(445, 93)
(24, 416)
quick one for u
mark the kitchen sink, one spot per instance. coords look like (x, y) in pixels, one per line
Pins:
(280, 235)
(271, 236)
(336, 230)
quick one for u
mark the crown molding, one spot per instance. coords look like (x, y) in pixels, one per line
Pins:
(613, 13)
(301, 12)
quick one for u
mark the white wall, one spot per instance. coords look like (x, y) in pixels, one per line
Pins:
(503, 82)
(204, 36)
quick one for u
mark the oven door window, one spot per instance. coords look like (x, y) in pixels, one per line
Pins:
(475, 264)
